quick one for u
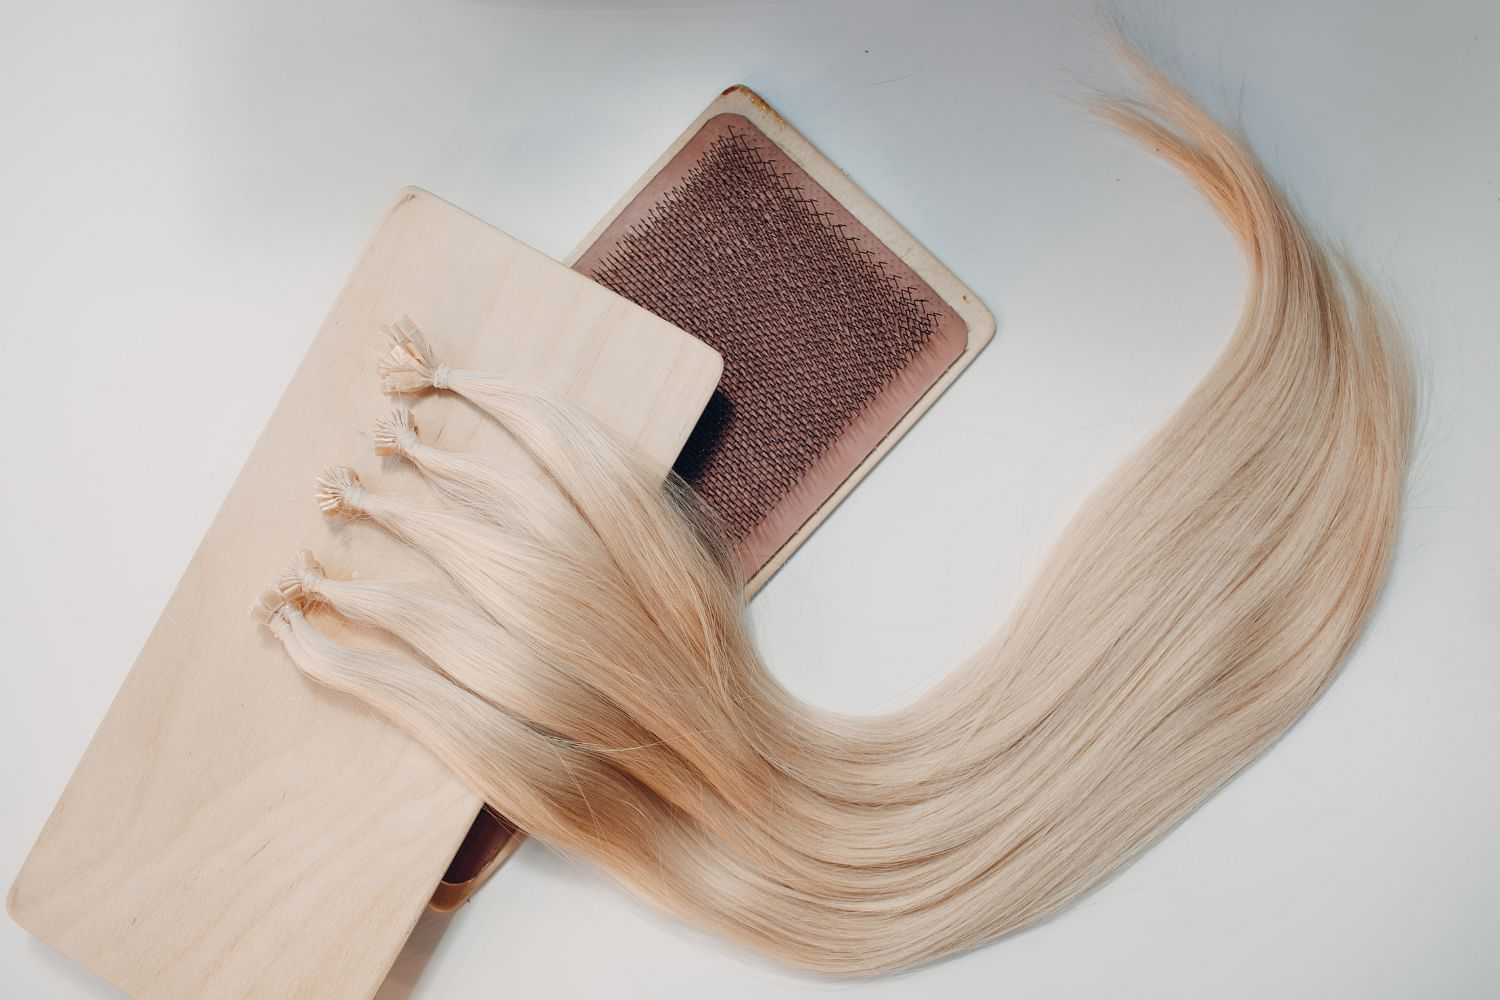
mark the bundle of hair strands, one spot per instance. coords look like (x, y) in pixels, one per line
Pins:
(587, 668)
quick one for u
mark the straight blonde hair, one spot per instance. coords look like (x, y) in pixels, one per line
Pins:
(588, 670)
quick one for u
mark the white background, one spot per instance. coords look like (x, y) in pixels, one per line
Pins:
(187, 187)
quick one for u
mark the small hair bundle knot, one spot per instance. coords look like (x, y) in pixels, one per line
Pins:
(396, 433)
(270, 611)
(409, 365)
(300, 583)
(340, 491)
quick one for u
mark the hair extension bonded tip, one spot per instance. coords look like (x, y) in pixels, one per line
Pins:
(341, 492)
(396, 433)
(270, 610)
(410, 365)
(300, 583)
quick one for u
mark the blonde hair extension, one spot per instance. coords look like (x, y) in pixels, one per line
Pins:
(477, 487)
(587, 668)
(497, 666)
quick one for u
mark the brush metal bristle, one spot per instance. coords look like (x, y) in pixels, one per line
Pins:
(814, 322)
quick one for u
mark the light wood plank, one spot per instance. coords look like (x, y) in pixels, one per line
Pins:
(232, 830)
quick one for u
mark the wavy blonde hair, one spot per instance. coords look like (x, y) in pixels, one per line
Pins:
(586, 665)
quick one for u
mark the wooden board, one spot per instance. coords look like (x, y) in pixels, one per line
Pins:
(233, 830)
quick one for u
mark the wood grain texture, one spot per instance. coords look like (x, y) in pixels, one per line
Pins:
(232, 830)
